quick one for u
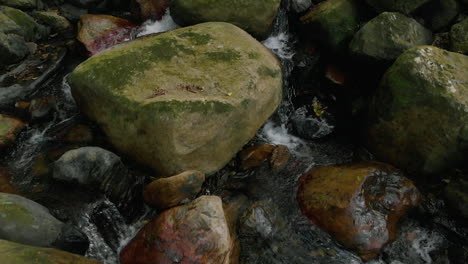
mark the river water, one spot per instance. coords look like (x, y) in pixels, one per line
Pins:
(283, 235)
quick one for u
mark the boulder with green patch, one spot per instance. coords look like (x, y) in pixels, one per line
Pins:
(23, 4)
(334, 22)
(14, 253)
(388, 35)
(402, 6)
(52, 19)
(25, 221)
(255, 17)
(16, 21)
(459, 37)
(418, 118)
(182, 100)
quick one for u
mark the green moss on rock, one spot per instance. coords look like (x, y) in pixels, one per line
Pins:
(459, 37)
(175, 105)
(336, 21)
(255, 17)
(421, 107)
(402, 6)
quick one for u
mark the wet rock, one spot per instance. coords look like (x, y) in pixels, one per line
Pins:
(25, 221)
(100, 32)
(234, 206)
(170, 237)
(5, 181)
(23, 79)
(301, 5)
(23, 4)
(402, 6)
(254, 156)
(421, 107)
(359, 204)
(150, 106)
(151, 9)
(280, 157)
(13, 49)
(14, 253)
(334, 22)
(459, 37)
(255, 17)
(456, 195)
(310, 126)
(20, 23)
(41, 108)
(85, 3)
(9, 128)
(387, 36)
(169, 192)
(96, 167)
(56, 22)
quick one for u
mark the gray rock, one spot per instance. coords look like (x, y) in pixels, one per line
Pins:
(96, 167)
(301, 5)
(388, 35)
(13, 48)
(310, 126)
(25, 221)
(444, 13)
(459, 37)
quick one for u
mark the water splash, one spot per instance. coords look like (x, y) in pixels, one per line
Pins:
(280, 45)
(166, 23)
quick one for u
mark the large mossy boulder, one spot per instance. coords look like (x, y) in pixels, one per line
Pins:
(14, 253)
(23, 4)
(359, 204)
(255, 17)
(418, 117)
(334, 22)
(27, 222)
(13, 48)
(459, 37)
(182, 100)
(402, 6)
(388, 35)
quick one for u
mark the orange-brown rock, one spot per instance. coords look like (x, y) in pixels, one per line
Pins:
(359, 204)
(99, 32)
(79, 134)
(168, 192)
(150, 9)
(280, 157)
(193, 233)
(9, 128)
(5, 181)
(254, 156)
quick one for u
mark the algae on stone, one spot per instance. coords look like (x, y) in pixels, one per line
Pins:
(388, 35)
(176, 105)
(459, 37)
(418, 117)
(336, 21)
(255, 17)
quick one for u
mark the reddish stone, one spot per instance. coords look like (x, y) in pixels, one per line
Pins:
(9, 128)
(193, 233)
(99, 32)
(359, 204)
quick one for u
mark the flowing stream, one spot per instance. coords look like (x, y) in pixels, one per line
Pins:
(284, 235)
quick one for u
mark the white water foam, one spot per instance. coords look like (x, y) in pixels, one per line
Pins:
(279, 44)
(166, 23)
(279, 135)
